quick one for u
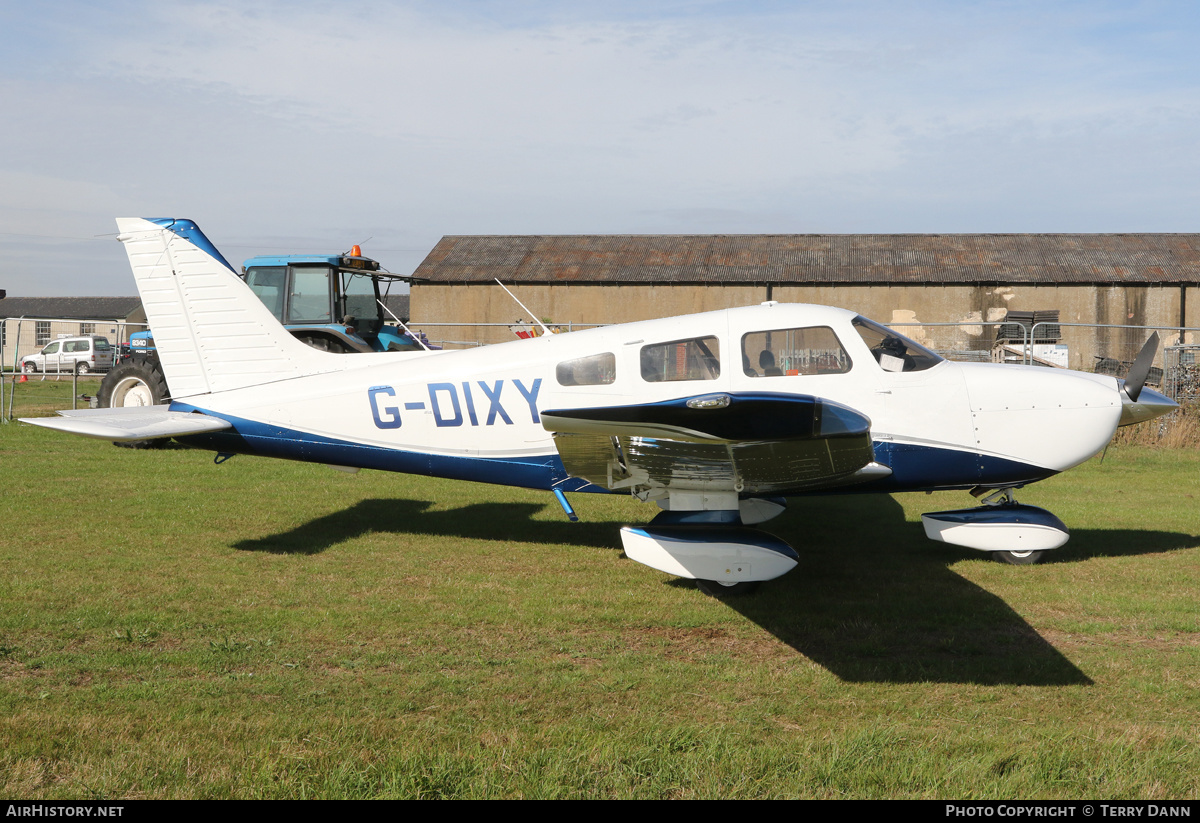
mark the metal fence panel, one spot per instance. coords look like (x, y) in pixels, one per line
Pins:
(35, 394)
(1104, 349)
(1181, 373)
(1088, 347)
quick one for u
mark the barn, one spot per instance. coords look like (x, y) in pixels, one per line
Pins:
(970, 282)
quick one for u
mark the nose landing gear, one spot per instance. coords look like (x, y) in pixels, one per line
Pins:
(1014, 533)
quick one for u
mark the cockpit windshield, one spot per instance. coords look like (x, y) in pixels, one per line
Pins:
(894, 352)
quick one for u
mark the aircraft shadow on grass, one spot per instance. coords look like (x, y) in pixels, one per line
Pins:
(871, 601)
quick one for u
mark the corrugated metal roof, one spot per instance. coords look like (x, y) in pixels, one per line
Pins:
(65, 308)
(816, 258)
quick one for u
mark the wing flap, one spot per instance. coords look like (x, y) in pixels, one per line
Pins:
(128, 424)
(752, 468)
(750, 444)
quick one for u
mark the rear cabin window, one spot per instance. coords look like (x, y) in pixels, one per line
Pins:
(593, 370)
(790, 352)
(696, 359)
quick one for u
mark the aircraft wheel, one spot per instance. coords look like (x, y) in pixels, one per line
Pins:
(715, 588)
(1019, 558)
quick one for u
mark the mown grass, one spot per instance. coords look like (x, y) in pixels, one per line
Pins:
(1178, 430)
(41, 394)
(171, 628)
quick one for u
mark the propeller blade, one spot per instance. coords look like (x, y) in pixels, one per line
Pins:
(1141, 368)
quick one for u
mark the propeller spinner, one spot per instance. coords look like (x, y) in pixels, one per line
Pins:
(1139, 403)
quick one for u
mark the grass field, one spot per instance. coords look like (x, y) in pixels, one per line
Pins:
(172, 628)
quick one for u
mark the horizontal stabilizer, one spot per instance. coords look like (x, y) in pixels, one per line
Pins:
(133, 423)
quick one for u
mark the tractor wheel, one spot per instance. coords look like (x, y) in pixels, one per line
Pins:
(138, 381)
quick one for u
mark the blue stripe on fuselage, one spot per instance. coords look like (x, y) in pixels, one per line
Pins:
(252, 437)
(918, 467)
(914, 467)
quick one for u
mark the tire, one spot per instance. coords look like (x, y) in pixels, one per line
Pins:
(715, 588)
(29, 368)
(138, 381)
(1019, 558)
(82, 369)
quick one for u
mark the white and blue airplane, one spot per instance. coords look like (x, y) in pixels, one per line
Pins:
(717, 417)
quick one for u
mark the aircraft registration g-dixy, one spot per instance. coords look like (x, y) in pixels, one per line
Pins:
(715, 417)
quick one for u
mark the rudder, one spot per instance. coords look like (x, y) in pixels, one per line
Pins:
(211, 331)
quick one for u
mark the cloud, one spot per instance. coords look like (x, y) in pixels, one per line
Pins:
(322, 125)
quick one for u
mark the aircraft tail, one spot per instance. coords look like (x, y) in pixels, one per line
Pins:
(212, 333)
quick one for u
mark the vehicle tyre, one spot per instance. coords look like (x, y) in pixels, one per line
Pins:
(715, 588)
(28, 368)
(82, 369)
(138, 381)
(1019, 558)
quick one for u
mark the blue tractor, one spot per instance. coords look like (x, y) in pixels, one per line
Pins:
(331, 302)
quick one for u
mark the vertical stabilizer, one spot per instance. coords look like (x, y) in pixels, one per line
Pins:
(212, 333)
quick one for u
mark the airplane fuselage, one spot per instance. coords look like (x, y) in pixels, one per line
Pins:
(476, 413)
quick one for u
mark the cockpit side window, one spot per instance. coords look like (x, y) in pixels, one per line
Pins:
(593, 370)
(789, 352)
(696, 359)
(894, 352)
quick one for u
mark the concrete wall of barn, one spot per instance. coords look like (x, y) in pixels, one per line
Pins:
(965, 306)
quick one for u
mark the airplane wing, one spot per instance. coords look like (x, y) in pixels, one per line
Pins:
(758, 443)
(130, 423)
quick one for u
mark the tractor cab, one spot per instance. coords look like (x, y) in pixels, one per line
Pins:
(331, 302)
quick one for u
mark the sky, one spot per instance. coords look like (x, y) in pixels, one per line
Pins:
(311, 126)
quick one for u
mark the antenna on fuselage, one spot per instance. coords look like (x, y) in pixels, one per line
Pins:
(402, 325)
(545, 330)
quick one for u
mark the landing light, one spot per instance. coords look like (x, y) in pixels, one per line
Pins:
(709, 401)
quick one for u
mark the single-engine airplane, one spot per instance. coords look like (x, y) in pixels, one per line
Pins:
(717, 417)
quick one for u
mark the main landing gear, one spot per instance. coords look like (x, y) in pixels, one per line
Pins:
(706, 537)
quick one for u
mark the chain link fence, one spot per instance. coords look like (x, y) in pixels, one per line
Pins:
(1103, 349)
(1089, 347)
